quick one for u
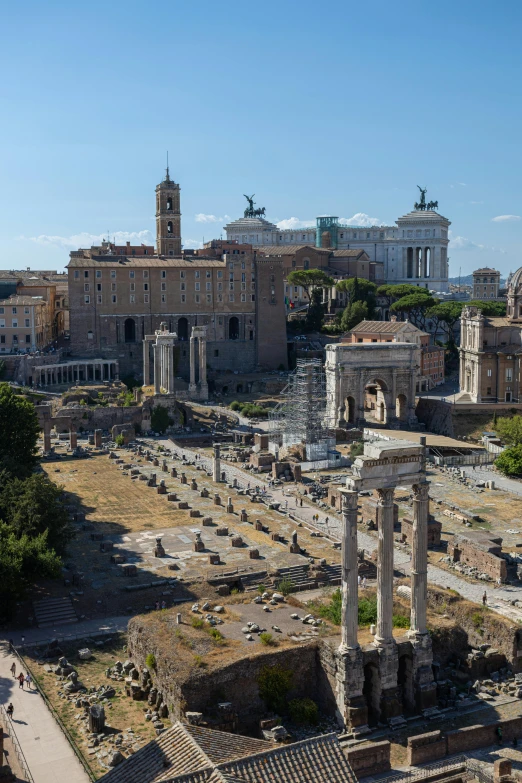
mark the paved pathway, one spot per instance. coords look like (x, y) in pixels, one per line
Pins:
(48, 754)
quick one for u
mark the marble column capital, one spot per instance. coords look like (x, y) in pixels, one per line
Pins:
(349, 499)
(421, 491)
(385, 496)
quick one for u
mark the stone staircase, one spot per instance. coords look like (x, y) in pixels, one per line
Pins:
(54, 611)
(299, 575)
(333, 573)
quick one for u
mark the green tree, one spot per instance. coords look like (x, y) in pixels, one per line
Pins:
(2, 369)
(415, 306)
(510, 430)
(22, 560)
(19, 432)
(489, 309)
(315, 312)
(160, 419)
(359, 290)
(509, 461)
(34, 506)
(309, 279)
(445, 315)
(353, 314)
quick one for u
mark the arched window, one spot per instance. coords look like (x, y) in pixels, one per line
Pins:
(182, 329)
(169, 202)
(169, 227)
(130, 330)
(233, 328)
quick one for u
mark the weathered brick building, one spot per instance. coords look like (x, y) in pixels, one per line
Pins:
(120, 294)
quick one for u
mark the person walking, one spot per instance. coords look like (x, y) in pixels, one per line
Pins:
(28, 681)
(13, 669)
(21, 680)
(484, 599)
(10, 709)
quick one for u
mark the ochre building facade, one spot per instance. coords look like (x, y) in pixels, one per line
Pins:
(117, 298)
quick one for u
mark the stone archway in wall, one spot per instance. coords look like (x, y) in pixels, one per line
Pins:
(372, 693)
(377, 401)
(401, 408)
(350, 410)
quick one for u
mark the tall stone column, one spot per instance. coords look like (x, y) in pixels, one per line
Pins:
(192, 384)
(146, 363)
(157, 369)
(46, 436)
(171, 368)
(73, 437)
(349, 569)
(352, 710)
(216, 465)
(203, 368)
(419, 564)
(389, 700)
(384, 633)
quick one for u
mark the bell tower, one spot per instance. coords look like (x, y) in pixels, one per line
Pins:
(168, 218)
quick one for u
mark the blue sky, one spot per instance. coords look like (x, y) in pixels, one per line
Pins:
(333, 108)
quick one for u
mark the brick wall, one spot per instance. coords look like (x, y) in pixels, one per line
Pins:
(434, 531)
(432, 746)
(475, 554)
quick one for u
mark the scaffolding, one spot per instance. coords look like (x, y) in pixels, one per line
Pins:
(301, 416)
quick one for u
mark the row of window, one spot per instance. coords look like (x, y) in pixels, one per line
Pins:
(15, 339)
(132, 273)
(14, 310)
(14, 323)
(183, 299)
(182, 287)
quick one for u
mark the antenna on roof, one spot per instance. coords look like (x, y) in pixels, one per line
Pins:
(168, 166)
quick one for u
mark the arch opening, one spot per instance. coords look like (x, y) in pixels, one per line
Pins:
(130, 330)
(182, 329)
(401, 407)
(372, 693)
(233, 328)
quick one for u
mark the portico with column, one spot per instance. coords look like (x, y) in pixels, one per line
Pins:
(78, 371)
(384, 466)
(163, 347)
(198, 386)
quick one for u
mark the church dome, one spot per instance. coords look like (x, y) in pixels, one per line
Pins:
(514, 296)
(515, 283)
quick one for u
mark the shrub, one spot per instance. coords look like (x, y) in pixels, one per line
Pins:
(235, 405)
(401, 621)
(477, 618)
(260, 589)
(356, 450)
(199, 663)
(216, 635)
(509, 461)
(267, 639)
(304, 711)
(119, 440)
(285, 586)
(367, 611)
(150, 661)
(274, 683)
(197, 622)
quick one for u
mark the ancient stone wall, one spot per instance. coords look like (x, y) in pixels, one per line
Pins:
(434, 532)
(477, 627)
(371, 759)
(236, 682)
(434, 745)
(482, 554)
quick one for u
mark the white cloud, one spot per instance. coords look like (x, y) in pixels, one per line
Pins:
(86, 240)
(463, 243)
(505, 218)
(460, 185)
(360, 219)
(202, 218)
(294, 223)
(192, 244)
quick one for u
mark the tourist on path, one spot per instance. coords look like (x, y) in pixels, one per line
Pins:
(28, 681)
(13, 669)
(484, 599)
(10, 709)
(21, 680)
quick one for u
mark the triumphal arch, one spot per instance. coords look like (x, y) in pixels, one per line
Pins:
(372, 383)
